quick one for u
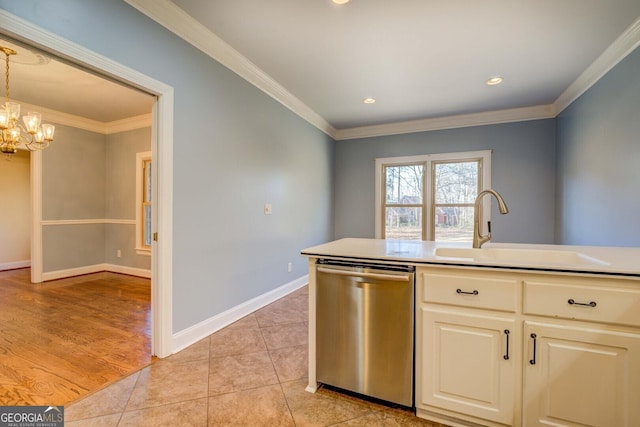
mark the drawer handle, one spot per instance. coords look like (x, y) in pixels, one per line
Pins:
(533, 361)
(590, 304)
(507, 332)
(460, 291)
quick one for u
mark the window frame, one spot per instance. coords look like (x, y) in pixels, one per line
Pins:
(428, 197)
(141, 159)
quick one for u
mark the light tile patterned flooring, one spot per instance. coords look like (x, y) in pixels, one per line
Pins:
(251, 373)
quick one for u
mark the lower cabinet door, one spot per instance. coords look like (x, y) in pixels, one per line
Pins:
(575, 376)
(468, 364)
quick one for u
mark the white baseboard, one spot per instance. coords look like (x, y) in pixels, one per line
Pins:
(70, 272)
(195, 333)
(14, 264)
(131, 271)
(96, 268)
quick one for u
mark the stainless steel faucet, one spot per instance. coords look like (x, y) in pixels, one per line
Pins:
(479, 239)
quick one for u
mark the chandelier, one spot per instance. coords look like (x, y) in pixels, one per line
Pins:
(32, 135)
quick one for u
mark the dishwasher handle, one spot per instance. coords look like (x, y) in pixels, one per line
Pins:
(378, 276)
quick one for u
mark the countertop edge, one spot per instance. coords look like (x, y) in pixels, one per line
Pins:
(377, 250)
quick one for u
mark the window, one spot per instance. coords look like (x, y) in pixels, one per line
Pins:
(430, 197)
(144, 234)
(404, 201)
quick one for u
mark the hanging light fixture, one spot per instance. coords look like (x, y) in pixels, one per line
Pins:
(32, 134)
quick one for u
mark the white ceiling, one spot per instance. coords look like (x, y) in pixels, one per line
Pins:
(420, 59)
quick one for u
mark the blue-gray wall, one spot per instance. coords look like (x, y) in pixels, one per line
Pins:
(73, 188)
(522, 170)
(599, 161)
(91, 176)
(120, 196)
(235, 149)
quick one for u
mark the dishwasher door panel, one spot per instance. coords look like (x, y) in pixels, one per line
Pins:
(365, 332)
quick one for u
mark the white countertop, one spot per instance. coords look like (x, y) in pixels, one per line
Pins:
(587, 259)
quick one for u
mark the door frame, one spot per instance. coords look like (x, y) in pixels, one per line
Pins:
(162, 174)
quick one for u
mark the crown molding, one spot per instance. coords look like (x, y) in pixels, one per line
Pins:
(58, 117)
(106, 128)
(450, 122)
(130, 123)
(616, 52)
(170, 16)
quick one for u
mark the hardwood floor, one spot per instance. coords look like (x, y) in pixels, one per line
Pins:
(62, 340)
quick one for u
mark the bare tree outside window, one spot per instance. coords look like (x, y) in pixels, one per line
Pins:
(404, 202)
(456, 186)
(430, 196)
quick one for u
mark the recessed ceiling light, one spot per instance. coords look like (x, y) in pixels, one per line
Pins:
(369, 100)
(340, 1)
(494, 81)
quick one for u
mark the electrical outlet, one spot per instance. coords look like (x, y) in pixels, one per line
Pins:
(289, 267)
(119, 253)
(267, 209)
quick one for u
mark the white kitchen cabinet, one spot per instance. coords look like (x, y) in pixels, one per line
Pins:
(471, 368)
(574, 348)
(469, 345)
(581, 376)
(585, 369)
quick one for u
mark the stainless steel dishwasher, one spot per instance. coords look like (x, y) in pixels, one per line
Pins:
(364, 329)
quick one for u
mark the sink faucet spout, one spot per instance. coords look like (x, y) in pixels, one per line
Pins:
(479, 239)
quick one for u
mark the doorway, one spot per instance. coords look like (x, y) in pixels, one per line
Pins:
(162, 176)
(15, 200)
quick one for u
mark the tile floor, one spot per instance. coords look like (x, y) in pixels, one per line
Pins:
(251, 373)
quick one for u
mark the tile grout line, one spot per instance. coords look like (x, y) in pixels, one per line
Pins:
(124, 408)
(284, 396)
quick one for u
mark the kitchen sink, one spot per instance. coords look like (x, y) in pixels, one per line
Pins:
(539, 257)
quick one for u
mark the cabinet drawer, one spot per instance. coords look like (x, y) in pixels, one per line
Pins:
(487, 292)
(606, 304)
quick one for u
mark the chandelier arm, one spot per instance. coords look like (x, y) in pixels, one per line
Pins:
(32, 135)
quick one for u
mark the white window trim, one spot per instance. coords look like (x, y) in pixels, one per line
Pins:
(140, 158)
(428, 159)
